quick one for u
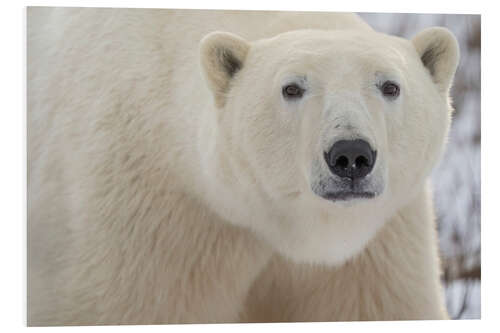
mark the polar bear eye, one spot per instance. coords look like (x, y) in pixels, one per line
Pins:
(390, 89)
(292, 90)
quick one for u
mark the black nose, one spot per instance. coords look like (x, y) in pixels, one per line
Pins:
(351, 158)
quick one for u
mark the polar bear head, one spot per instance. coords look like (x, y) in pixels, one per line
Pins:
(320, 137)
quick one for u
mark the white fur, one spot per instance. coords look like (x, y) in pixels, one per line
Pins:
(163, 190)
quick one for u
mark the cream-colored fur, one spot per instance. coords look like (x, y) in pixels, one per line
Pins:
(170, 182)
(395, 278)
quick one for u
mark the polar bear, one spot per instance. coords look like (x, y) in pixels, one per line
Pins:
(227, 166)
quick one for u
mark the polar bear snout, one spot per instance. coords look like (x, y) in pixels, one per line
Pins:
(349, 169)
(352, 159)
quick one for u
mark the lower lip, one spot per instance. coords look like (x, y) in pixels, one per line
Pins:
(344, 196)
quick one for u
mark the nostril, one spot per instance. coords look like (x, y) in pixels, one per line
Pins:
(361, 161)
(342, 162)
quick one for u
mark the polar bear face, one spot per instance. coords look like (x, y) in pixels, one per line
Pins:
(328, 133)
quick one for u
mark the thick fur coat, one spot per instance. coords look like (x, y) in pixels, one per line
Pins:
(170, 180)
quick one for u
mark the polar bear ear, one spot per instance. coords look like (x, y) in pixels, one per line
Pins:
(439, 53)
(222, 55)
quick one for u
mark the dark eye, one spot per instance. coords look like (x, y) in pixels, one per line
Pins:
(292, 91)
(390, 89)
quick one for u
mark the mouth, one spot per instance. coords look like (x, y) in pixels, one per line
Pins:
(347, 195)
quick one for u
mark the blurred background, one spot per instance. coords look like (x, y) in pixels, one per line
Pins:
(457, 180)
